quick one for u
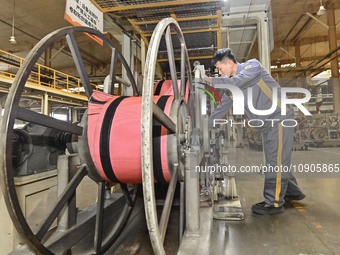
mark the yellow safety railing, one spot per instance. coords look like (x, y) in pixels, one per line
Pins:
(41, 75)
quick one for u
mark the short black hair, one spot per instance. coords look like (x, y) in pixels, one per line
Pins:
(223, 54)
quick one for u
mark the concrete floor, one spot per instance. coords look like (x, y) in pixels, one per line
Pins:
(310, 227)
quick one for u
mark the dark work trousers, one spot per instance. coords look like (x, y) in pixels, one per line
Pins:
(279, 181)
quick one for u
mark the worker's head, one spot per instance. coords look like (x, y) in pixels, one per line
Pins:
(225, 62)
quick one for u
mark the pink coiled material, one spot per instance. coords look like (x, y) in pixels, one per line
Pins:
(114, 138)
(164, 88)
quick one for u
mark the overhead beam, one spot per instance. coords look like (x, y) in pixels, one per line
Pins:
(328, 57)
(154, 5)
(189, 31)
(304, 28)
(299, 6)
(190, 58)
(292, 60)
(310, 40)
(292, 69)
(317, 20)
(292, 29)
(178, 19)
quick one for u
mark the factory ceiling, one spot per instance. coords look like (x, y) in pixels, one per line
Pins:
(294, 22)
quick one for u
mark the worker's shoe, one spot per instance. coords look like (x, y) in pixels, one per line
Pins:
(263, 208)
(297, 197)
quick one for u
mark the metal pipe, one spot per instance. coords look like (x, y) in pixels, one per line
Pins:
(124, 82)
(109, 87)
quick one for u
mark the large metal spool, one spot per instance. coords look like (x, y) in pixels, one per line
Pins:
(175, 124)
(114, 138)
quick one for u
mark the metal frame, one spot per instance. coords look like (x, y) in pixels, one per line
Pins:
(196, 29)
(13, 111)
(145, 41)
(151, 5)
(178, 19)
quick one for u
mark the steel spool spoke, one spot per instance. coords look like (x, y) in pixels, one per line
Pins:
(98, 234)
(172, 63)
(126, 193)
(164, 220)
(46, 121)
(71, 40)
(62, 200)
(163, 118)
(183, 64)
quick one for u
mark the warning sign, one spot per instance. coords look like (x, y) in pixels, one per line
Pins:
(85, 13)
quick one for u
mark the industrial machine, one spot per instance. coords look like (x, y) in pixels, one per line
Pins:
(318, 130)
(120, 143)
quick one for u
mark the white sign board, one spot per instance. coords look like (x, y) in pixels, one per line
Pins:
(85, 13)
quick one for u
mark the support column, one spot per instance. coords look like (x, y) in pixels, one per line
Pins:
(224, 37)
(126, 51)
(297, 54)
(133, 48)
(143, 54)
(48, 57)
(74, 114)
(67, 168)
(279, 74)
(45, 105)
(192, 197)
(334, 63)
(263, 43)
(298, 64)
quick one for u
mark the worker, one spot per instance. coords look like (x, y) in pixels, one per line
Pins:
(280, 185)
